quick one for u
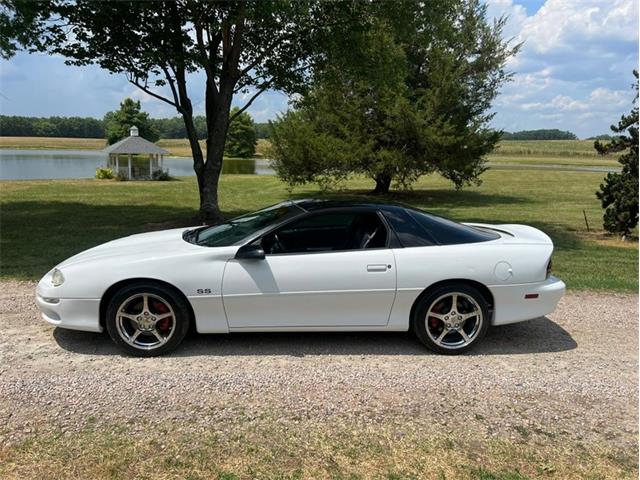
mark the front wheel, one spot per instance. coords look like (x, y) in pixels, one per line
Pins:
(146, 320)
(451, 319)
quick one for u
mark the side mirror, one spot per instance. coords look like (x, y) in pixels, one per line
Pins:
(250, 252)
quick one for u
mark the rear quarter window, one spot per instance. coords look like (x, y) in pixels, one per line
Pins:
(448, 232)
(409, 232)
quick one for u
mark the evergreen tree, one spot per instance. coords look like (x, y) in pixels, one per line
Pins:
(619, 192)
(118, 123)
(411, 97)
(241, 137)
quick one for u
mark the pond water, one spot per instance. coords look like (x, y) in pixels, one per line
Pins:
(49, 164)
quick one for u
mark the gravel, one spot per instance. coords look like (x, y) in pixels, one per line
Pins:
(571, 376)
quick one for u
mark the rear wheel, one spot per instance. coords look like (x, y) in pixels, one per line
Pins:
(451, 319)
(147, 320)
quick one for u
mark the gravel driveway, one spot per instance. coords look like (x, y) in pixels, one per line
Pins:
(571, 377)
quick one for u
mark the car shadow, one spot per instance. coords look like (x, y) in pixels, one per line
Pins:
(535, 336)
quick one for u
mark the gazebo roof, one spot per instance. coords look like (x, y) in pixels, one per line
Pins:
(135, 145)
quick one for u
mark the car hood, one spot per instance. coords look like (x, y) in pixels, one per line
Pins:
(140, 246)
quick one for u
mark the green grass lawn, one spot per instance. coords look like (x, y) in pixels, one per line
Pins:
(44, 222)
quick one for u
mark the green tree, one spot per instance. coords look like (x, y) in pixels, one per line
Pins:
(540, 134)
(619, 192)
(263, 130)
(118, 123)
(242, 47)
(412, 100)
(241, 138)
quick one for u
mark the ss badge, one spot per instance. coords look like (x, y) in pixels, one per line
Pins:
(203, 291)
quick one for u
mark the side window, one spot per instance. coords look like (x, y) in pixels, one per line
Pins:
(328, 232)
(407, 229)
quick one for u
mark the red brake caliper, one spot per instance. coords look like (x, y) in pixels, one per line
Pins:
(165, 324)
(433, 321)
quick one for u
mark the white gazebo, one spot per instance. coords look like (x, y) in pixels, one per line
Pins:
(135, 145)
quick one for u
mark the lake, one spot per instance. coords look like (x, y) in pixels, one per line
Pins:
(49, 164)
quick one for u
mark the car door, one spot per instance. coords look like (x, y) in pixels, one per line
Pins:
(323, 276)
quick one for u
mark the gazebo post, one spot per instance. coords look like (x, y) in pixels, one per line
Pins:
(161, 161)
(129, 156)
(117, 157)
(151, 165)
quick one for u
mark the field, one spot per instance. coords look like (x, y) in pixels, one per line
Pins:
(70, 215)
(52, 143)
(551, 152)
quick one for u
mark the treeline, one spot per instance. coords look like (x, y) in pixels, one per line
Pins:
(76, 127)
(87, 127)
(542, 134)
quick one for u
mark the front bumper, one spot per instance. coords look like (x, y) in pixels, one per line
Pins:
(511, 306)
(72, 313)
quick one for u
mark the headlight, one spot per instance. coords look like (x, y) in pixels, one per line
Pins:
(57, 278)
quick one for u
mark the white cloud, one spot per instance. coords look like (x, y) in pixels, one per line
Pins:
(605, 97)
(574, 68)
(565, 24)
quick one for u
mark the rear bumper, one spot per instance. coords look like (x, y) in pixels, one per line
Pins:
(72, 313)
(511, 306)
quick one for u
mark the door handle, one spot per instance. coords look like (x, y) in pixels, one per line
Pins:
(378, 267)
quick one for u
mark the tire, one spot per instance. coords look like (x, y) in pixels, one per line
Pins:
(157, 332)
(441, 331)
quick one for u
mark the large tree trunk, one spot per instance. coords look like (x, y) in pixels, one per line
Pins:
(207, 172)
(383, 183)
(217, 107)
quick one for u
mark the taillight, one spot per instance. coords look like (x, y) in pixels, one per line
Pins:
(549, 266)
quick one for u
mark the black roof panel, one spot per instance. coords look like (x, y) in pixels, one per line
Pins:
(313, 204)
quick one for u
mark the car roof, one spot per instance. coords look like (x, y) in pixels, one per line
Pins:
(316, 204)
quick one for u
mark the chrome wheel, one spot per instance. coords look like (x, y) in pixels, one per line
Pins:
(145, 321)
(454, 320)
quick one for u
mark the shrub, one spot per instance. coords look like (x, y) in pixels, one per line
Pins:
(104, 173)
(161, 175)
(121, 177)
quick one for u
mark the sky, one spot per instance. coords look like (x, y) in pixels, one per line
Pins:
(573, 72)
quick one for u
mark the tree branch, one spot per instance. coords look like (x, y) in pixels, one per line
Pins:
(205, 59)
(145, 89)
(170, 80)
(261, 90)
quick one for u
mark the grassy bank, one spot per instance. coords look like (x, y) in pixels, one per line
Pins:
(260, 449)
(43, 222)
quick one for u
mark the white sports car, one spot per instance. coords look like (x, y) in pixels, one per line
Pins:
(307, 265)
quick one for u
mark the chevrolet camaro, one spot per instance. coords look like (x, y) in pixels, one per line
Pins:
(307, 266)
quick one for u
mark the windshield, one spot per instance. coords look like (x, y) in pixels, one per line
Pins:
(239, 228)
